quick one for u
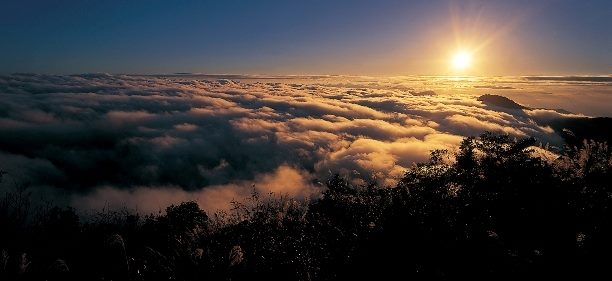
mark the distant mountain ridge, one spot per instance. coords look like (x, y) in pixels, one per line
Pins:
(500, 101)
(573, 129)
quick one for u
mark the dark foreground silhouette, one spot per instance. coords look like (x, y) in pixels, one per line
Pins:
(493, 209)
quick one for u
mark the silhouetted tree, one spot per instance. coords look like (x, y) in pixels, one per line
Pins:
(492, 209)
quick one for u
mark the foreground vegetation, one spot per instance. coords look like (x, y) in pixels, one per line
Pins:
(493, 209)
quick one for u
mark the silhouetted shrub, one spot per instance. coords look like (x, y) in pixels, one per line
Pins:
(491, 209)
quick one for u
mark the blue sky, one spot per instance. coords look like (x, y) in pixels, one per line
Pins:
(305, 37)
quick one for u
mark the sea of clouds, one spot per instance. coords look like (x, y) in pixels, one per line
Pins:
(145, 142)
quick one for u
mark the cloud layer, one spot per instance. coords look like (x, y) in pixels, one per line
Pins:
(148, 141)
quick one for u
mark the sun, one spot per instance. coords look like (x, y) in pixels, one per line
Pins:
(461, 60)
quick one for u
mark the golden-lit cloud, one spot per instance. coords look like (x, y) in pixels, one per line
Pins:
(146, 141)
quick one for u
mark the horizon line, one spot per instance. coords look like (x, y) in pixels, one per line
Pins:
(293, 75)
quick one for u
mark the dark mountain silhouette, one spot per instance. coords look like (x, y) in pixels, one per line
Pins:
(500, 101)
(423, 93)
(504, 102)
(574, 130)
(607, 78)
(562, 111)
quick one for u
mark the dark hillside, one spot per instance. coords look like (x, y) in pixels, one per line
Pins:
(491, 210)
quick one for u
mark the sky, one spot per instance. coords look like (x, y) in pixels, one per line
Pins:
(555, 37)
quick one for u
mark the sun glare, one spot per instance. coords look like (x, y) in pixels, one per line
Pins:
(461, 60)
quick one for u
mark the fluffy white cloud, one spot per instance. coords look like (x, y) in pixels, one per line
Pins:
(138, 140)
(284, 180)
